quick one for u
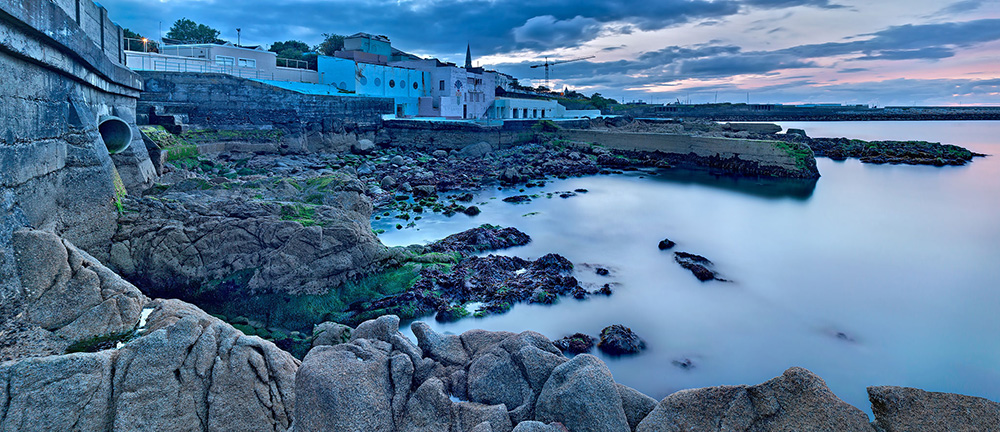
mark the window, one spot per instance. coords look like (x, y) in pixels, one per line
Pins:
(515, 112)
(378, 82)
(525, 113)
(392, 83)
(248, 63)
(415, 85)
(534, 113)
(441, 85)
(343, 85)
(363, 80)
(402, 84)
(225, 60)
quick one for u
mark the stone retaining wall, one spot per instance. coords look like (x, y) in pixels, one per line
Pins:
(57, 79)
(309, 123)
(740, 156)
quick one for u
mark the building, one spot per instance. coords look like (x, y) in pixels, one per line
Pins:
(350, 76)
(244, 62)
(513, 108)
(505, 108)
(454, 92)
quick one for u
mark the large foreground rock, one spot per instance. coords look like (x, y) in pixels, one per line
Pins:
(179, 246)
(581, 394)
(899, 409)
(188, 372)
(66, 296)
(796, 400)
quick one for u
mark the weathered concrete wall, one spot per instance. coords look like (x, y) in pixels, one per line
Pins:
(56, 81)
(428, 136)
(739, 156)
(309, 123)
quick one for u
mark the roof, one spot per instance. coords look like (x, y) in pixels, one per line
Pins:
(398, 53)
(364, 35)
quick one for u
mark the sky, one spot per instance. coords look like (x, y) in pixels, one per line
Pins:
(871, 52)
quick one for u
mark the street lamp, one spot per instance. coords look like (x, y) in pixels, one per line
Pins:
(144, 40)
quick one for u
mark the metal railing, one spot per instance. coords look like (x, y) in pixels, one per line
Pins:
(140, 45)
(167, 63)
(291, 63)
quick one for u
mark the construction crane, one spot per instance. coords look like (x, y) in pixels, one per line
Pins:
(547, 64)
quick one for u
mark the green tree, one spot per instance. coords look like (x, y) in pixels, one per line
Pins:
(331, 43)
(192, 32)
(295, 50)
(600, 102)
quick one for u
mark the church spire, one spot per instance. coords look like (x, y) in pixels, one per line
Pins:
(468, 56)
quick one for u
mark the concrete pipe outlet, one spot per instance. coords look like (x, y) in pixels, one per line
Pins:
(115, 132)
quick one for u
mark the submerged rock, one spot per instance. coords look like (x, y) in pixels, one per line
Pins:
(620, 340)
(666, 244)
(575, 344)
(517, 199)
(482, 238)
(698, 265)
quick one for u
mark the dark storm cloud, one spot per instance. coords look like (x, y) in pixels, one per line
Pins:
(749, 63)
(932, 39)
(547, 31)
(429, 26)
(441, 27)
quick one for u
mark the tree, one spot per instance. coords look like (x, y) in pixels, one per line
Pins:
(192, 32)
(600, 102)
(295, 50)
(331, 43)
(133, 42)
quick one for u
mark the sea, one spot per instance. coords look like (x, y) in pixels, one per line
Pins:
(871, 275)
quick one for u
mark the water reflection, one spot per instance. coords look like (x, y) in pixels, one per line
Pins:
(764, 187)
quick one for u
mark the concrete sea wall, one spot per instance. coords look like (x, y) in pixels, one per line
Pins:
(738, 156)
(60, 74)
(443, 135)
(307, 123)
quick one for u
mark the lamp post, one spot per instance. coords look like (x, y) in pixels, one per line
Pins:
(238, 42)
(144, 48)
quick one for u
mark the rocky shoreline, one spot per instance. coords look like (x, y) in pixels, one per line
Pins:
(281, 250)
(187, 370)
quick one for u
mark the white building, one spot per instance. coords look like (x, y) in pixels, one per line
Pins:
(454, 92)
(244, 62)
(513, 108)
(405, 86)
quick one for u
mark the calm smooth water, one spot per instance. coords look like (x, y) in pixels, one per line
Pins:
(903, 260)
